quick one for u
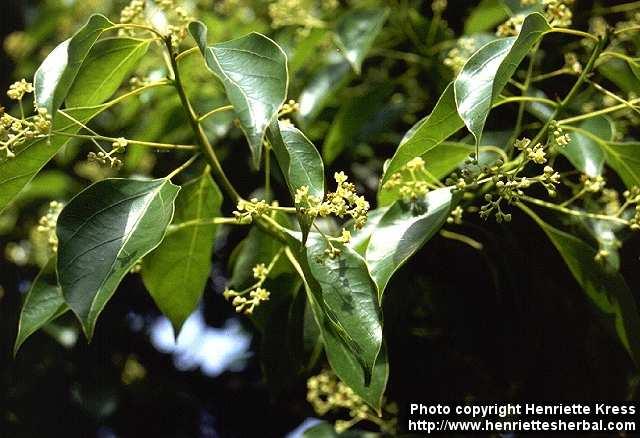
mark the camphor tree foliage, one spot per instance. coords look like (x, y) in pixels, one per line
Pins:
(313, 271)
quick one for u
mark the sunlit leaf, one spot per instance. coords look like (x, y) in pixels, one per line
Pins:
(356, 31)
(176, 272)
(103, 232)
(300, 162)
(253, 70)
(427, 133)
(344, 302)
(44, 303)
(584, 152)
(106, 66)
(402, 231)
(489, 69)
(31, 157)
(56, 74)
(323, 85)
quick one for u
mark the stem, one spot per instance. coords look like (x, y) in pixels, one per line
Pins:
(573, 32)
(599, 112)
(186, 147)
(267, 173)
(625, 7)
(139, 27)
(551, 74)
(527, 99)
(186, 53)
(462, 238)
(203, 222)
(612, 95)
(215, 111)
(572, 212)
(574, 89)
(201, 137)
(626, 29)
(182, 167)
(574, 197)
(525, 88)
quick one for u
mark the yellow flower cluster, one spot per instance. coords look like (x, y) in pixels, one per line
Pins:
(511, 27)
(341, 203)
(438, 6)
(326, 393)
(15, 131)
(534, 153)
(299, 12)
(176, 16)
(247, 210)
(17, 90)
(256, 292)
(47, 224)
(557, 12)
(458, 56)
(291, 106)
(559, 136)
(409, 180)
(107, 158)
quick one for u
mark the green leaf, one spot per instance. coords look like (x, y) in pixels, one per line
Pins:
(427, 133)
(300, 162)
(31, 157)
(605, 288)
(486, 73)
(360, 237)
(621, 74)
(356, 31)
(347, 129)
(56, 74)
(439, 162)
(343, 300)
(585, 153)
(332, 76)
(44, 303)
(103, 232)
(109, 62)
(624, 158)
(176, 272)
(349, 293)
(402, 231)
(486, 16)
(253, 70)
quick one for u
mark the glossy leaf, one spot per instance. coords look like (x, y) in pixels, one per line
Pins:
(624, 158)
(605, 288)
(343, 299)
(176, 272)
(486, 16)
(44, 303)
(439, 162)
(300, 162)
(360, 238)
(107, 65)
(621, 74)
(31, 157)
(350, 124)
(103, 232)
(486, 73)
(402, 231)
(325, 83)
(350, 295)
(356, 31)
(427, 133)
(56, 74)
(253, 70)
(585, 153)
